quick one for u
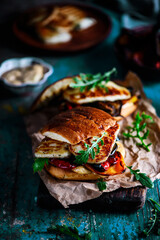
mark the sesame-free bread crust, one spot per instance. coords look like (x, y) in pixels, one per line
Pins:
(78, 124)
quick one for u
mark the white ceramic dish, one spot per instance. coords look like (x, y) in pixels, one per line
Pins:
(25, 88)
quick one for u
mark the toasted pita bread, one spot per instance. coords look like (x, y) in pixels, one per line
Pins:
(51, 92)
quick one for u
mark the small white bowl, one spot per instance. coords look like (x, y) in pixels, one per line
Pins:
(24, 88)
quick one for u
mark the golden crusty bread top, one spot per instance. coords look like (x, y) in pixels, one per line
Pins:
(78, 124)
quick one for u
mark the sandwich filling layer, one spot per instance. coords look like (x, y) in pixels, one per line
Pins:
(112, 166)
(112, 98)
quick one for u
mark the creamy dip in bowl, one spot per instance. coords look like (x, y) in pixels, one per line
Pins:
(25, 75)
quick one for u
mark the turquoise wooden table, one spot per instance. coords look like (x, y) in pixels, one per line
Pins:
(20, 217)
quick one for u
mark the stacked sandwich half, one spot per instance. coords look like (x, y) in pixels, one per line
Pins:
(96, 91)
(81, 144)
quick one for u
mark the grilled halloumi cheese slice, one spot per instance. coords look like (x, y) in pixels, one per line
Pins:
(114, 93)
(57, 26)
(52, 36)
(50, 148)
(109, 139)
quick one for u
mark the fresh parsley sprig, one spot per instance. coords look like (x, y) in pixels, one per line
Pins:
(154, 221)
(88, 81)
(139, 130)
(83, 155)
(39, 163)
(101, 183)
(141, 177)
(70, 231)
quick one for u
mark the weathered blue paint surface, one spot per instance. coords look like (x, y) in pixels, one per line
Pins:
(20, 218)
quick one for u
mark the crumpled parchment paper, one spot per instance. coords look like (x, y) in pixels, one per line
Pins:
(74, 192)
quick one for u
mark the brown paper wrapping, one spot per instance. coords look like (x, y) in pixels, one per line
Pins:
(74, 192)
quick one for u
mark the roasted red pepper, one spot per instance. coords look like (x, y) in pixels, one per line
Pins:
(62, 164)
(105, 165)
(69, 106)
(114, 159)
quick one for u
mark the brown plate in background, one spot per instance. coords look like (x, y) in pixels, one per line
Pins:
(80, 39)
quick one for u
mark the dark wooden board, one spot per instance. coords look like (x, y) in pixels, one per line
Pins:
(121, 200)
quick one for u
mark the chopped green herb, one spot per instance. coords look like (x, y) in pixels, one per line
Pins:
(139, 130)
(154, 221)
(102, 185)
(39, 163)
(83, 156)
(141, 177)
(89, 81)
(70, 231)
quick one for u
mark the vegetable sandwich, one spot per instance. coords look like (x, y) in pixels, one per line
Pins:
(81, 144)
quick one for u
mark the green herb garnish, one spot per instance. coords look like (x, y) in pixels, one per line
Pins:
(139, 130)
(102, 185)
(70, 231)
(84, 154)
(154, 221)
(141, 177)
(39, 163)
(88, 81)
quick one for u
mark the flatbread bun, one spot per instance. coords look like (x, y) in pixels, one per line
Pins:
(78, 125)
(51, 92)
